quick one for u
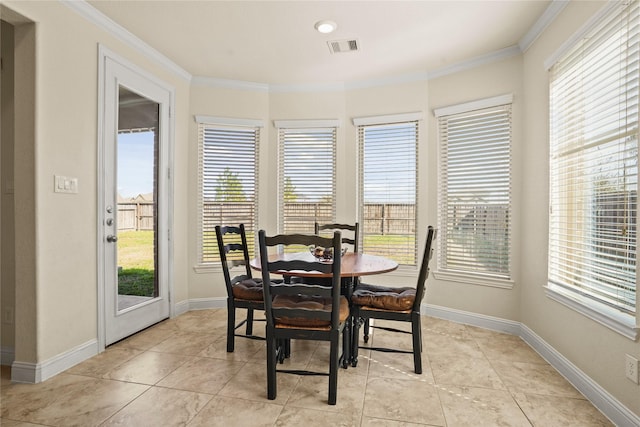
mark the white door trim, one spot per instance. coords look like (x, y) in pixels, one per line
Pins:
(166, 209)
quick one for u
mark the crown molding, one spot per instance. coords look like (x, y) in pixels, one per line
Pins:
(96, 17)
(307, 87)
(476, 62)
(549, 15)
(230, 84)
(586, 27)
(421, 76)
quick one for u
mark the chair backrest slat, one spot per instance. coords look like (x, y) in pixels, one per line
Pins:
(301, 265)
(424, 268)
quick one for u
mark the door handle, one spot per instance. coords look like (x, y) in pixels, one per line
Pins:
(111, 238)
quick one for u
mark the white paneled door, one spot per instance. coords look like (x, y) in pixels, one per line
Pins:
(133, 214)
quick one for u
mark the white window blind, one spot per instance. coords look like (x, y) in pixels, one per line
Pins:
(307, 178)
(474, 202)
(228, 167)
(594, 164)
(388, 188)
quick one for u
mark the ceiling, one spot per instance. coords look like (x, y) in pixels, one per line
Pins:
(274, 42)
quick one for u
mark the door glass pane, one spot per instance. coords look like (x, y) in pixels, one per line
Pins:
(137, 159)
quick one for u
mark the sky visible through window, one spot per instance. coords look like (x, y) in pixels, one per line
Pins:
(135, 164)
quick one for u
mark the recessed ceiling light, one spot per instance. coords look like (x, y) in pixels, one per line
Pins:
(326, 27)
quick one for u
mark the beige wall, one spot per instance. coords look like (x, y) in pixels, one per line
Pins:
(25, 322)
(7, 235)
(596, 350)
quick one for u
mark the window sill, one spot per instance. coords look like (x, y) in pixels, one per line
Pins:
(207, 268)
(622, 323)
(475, 279)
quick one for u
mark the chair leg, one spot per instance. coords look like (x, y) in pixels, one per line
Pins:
(333, 369)
(346, 343)
(283, 347)
(355, 335)
(417, 342)
(366, 330)
(231, 325)
(271, 366)
(249, 321)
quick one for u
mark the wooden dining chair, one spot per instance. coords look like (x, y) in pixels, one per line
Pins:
(353, 229)
(243, 290)
(393, 303)
(306, 309)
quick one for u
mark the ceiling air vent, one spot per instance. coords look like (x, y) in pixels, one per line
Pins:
(340, 46)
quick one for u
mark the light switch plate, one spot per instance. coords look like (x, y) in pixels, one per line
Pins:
(631, 368)
(65, 184)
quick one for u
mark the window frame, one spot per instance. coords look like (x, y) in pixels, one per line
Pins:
(413, 119)
(474, 277)
(624, 323)
(231, 124)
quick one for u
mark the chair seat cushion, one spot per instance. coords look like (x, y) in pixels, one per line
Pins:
(310, 303)
(383, 297)
(248, 289)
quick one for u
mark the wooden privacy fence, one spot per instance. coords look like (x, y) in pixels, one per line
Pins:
(135, 216)
(389, 218)
(379, 218)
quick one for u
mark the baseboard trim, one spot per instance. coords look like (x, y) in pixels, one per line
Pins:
(207, 303)
(474, 319)
(27, 372)
(180, 308)
(617, 413)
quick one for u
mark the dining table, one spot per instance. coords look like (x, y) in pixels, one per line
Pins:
(353, 266)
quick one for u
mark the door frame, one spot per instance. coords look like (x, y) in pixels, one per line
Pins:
(165, 187)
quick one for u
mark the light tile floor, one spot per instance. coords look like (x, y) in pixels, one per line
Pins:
(178, 373)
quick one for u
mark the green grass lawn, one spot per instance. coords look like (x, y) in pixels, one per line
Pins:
(389, 241)
(136, 275)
